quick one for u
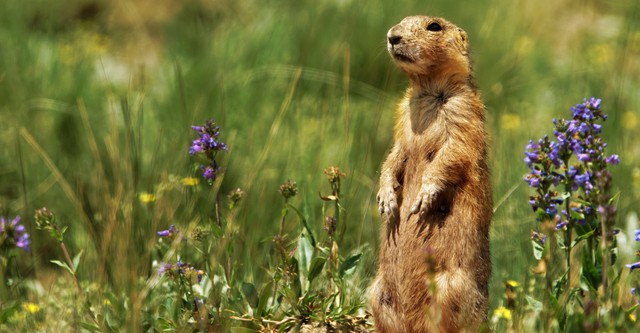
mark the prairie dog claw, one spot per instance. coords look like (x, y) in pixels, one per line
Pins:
(425, 198)
(388, 203)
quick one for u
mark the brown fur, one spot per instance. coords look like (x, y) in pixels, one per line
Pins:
(434, 264)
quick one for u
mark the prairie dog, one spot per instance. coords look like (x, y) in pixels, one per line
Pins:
(434, 264)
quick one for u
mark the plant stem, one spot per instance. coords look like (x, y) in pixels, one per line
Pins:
(568, 245)
(67, 257)
(605, 260)
(87, 304)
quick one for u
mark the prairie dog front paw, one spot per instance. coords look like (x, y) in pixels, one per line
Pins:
(388, 203)
(425, 198)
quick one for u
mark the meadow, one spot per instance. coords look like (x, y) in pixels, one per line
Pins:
(97, 103)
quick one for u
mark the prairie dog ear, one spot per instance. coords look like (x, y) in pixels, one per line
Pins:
(463, 41)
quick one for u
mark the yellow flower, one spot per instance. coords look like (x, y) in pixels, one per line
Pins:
(146, 197)
(510, 121)
(524, 45)
(106, 302)
(601, 54)
(502, 312)
(629, 120)
(30, 307)
(189, 181)
(513, 283)
(632, 317)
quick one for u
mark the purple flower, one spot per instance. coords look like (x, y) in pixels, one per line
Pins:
(164, 268)
(533, 156)
(533, 181)
(207, 144)
(637, 235)
(584, 157)
(561, 225)
(15, 234)
(209, 172)
(583, 128)
(551, 210)
(169, 232)
(554, 154)
(538, 237)
(534, 203)
(633, 266)
(532, 146)
(196, 147)
(582, 179)
(613, 159)
(594, 102)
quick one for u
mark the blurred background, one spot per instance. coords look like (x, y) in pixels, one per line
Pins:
(97, 98)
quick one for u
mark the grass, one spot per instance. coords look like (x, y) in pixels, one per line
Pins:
(97, 99)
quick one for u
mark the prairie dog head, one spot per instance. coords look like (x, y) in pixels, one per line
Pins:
(426, 45)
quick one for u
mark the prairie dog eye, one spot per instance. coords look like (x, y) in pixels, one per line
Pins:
(434, 27)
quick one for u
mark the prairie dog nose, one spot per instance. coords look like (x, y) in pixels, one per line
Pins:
(394, 39)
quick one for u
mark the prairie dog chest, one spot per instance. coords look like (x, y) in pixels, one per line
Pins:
(423, 126)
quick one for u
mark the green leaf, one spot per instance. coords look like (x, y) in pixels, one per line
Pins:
(305, 253)
(263, 299)
(582, 237)
(348, 266)
(63, 265)
(631, 309)
(538, 250)
(575, 215)
(76, 260)
(317, 264)
(7, 313)
(583, 229)
(590, 276)
(217, 231)
(294, 267)
(614, 198)
(250, 294)
(304, 223)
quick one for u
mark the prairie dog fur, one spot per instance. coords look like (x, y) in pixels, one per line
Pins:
(434, 264)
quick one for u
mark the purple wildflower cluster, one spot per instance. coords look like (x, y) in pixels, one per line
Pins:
(552, 165)
(181, 269)
(13, 234)
(208, 145)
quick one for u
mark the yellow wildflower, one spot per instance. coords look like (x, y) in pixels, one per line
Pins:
(145, 197)
(524, 45)
(30, 307)
(629, 120)
(502, 312)
(510, 121)
(602, 54)
(513, 283)
(632, 317)
(189, 181)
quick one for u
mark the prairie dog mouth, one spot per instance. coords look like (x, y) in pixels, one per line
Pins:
(398, 54)
(401, 57)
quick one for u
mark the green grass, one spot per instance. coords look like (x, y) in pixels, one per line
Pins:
(97, 99)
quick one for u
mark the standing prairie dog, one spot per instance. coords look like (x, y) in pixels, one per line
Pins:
(435, 195)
